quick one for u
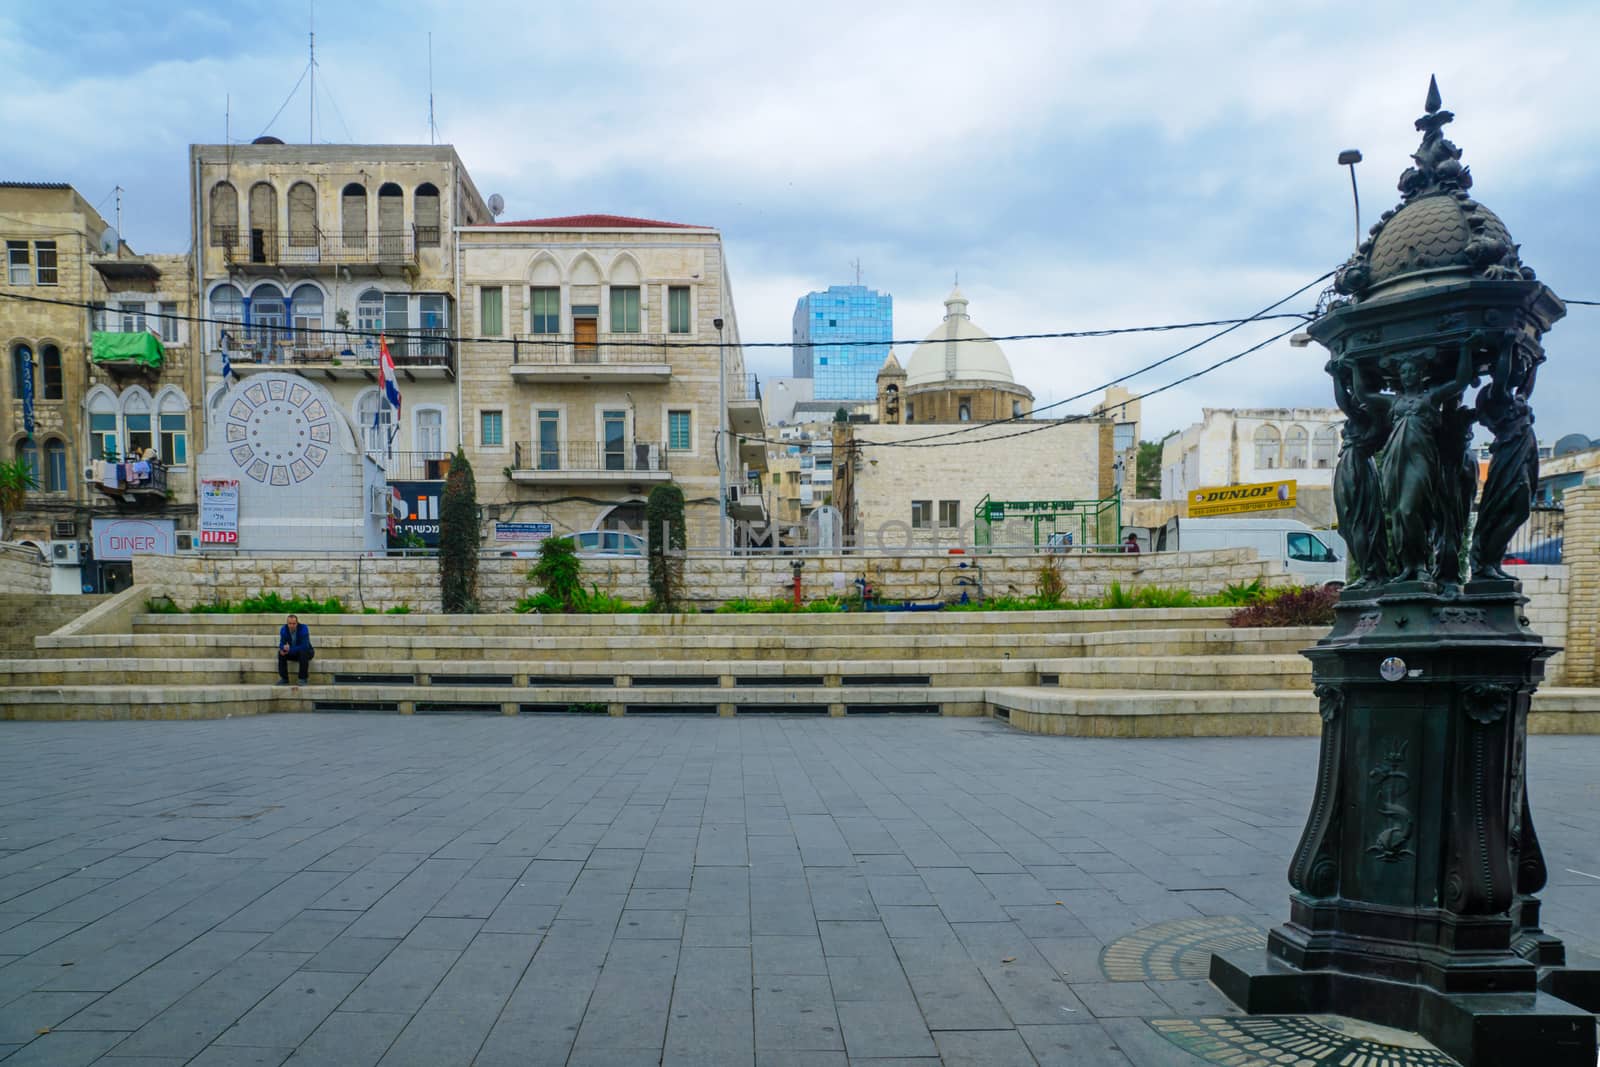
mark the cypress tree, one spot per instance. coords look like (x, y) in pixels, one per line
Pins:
(458, 539)
(664, 529)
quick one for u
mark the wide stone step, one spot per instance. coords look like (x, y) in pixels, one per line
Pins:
(853, 622)
(53, 703)
(262, 669)
(1230, 673)
(1260, 713)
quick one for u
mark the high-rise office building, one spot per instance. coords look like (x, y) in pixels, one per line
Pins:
(843, 313)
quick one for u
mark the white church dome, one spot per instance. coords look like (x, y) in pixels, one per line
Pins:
(957, 351)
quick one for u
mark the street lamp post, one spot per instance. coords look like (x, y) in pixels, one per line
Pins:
(722, 434)
(1349, 158)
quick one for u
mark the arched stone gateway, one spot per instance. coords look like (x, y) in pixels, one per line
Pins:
(304, 481)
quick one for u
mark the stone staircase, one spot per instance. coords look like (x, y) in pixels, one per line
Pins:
(31, 615)
(1163, 672)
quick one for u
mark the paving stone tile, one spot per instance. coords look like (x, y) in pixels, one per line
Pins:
(982, 1048)
(788, 954)
(632, 997)
(215, 1056)
(651, 924)
(875, 1029)
(402, 981)
(23, 1018)
(440, 932)
(289, 1014)
(716, 931)
(350, 1039)
(358, 955)
(795, 1012)
(1073, 1046)
(711, 1019)
(65, 1048)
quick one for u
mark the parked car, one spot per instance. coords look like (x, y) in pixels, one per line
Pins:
(1312, 556)
(1545, 553)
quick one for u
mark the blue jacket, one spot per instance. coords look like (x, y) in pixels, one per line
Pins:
(301, 641)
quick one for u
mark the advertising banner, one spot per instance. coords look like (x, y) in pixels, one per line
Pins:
(1239, 499)
(416, 510)
(219, 511)
(119, 539)
(521, 533)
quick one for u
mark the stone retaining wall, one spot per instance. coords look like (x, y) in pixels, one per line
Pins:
(382, 582)
(22, 570)
(1546, 590)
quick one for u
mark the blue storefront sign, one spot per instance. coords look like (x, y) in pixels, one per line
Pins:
(416, 510)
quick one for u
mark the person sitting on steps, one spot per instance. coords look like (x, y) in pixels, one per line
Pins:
(294, 643)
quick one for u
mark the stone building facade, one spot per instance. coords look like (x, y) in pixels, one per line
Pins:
(958, 373)
(80, 302)
(594, 377)
(306, 254)
(892, 496)
(1241, 446)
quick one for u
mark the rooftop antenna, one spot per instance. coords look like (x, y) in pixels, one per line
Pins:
(432, 129)
(856, 263)
(311, 96)
(118, 191)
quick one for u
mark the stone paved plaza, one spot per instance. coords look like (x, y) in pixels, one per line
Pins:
(357, 890)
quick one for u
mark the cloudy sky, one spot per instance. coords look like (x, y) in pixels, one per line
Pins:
(1080, 165)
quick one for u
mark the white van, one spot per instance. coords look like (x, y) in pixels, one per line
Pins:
(1314, 557)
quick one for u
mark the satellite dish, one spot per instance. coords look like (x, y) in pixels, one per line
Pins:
(1572, 442)
(497, 204)
(109, 241)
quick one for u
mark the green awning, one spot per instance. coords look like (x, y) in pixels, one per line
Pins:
(141, 347)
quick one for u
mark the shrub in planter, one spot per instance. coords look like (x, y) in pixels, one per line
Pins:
(1301, 606)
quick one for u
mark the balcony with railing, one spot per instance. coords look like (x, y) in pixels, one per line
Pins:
(333, 354)
(424, 466)
(129, 480)
(588, 462)
(316, 252)
(744, 407)
(614, 357)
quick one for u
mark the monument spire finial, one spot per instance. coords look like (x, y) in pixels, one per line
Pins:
(1433, 101)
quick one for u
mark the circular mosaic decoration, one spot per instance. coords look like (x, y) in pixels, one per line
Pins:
(1181, 948)
(278, 432)
(1298, 1041)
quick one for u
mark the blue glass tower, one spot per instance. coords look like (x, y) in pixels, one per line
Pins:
(843, 313)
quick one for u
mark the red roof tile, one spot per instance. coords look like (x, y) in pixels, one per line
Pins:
(601, 222)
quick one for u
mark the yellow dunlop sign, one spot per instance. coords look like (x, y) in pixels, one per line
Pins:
(1236, 499)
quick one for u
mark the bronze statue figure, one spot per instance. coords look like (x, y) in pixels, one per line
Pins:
(1411, 475)
(1456, 451)
(1513, 460)
(1357, 497)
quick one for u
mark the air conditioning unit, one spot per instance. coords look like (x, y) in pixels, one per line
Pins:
(188, 541)
(733, 494)
(65, 553)
(64, 529)
(88, 474)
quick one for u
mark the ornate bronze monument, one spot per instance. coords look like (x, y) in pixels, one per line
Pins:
(1414, 881)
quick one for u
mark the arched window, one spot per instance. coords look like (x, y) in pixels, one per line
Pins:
(172, 413)
(353, 215)
(266, 318)
(1324, 446)
(136, 422)
(263, 223)
(374, 418)
(227, 306)
(1295, 445)
(391, 221)
(1269, 448)
(28, 452)
(55, 466)
(302, 215)
(307, 305)
(21, 370)
(102, 424)
(427, 209)
(50, 361)
(224, 215)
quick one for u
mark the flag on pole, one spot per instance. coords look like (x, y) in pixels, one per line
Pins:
(227, 364)
(391, 388)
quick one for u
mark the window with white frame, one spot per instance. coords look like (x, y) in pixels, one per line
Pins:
(103, 427)
(949, 514)
(429, 432)
(1269, 447)
(138, 434)
(168, 322)
(17, 262)
(374, 417)
(624, 309)
(55, 466)
(491, 429)
(680, 431)
(678, 309)
(491, 310)
(307, 304)
(921, 514)
(545, 307)
(173, 415)
(44, 262)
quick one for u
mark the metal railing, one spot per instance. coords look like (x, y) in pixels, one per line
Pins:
(565, 350)
(258, 344)
(129, 482)
(744, 387)
(270, 248)
(589, 456)
(1539, 539)
(413, 466)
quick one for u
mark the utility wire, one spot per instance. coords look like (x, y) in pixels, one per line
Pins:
(286, 100)
(536, 340)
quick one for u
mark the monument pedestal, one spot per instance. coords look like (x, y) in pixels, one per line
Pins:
(1414, 878)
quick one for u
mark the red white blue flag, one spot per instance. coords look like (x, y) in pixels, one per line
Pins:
(391, 384)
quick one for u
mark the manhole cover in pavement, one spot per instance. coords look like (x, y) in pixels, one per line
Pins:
(1181, 948)
(1298, 1041)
